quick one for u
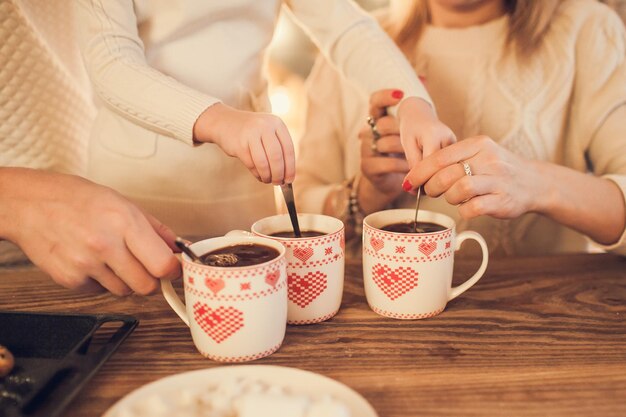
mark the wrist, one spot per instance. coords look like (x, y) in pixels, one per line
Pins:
(207, 127)
(545, 196)
(412, 106)
(11, 184)
(371, 199)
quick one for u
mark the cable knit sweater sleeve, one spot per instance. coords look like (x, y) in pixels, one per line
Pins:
(115, 60)
(354, 42)
(599, 99)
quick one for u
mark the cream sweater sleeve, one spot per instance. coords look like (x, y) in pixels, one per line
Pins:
(354, 42)
(599, 100)
(323, 141)
(115, 60)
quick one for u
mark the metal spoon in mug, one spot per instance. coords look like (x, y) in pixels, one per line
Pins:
(417, 208)
(287, 190)
(184, 247)
(218, 259)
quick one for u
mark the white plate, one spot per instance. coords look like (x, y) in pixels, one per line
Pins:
(296, 380)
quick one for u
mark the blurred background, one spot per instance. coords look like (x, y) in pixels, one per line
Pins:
(291, 56)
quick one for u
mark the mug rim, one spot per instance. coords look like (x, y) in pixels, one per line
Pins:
(412, 212)
(241, 239)
(297, 239)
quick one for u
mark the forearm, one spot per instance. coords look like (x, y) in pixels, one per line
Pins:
(357, 46)
(7, 207)
(115, 60)
(21, 191)
(589, 204)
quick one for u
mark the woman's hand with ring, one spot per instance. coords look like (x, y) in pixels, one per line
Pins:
(382, 160)
(501, 184)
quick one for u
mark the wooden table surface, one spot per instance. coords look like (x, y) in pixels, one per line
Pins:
(541, 336)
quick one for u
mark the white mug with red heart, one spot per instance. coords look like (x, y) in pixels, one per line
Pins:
(409, 275)
(315, 265)
(235, 314)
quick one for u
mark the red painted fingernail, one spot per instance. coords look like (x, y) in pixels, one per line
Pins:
(406, 186)
(397, 94)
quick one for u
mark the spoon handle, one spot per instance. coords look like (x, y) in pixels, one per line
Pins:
(287, 190)
(417, 207)
(182, 245)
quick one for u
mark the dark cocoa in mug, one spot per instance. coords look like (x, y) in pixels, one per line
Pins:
(411, 227)
(245, 254)
(291, 235)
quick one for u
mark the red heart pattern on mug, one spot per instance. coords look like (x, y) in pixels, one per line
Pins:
(303, 289)
(215, 285)
(377, 244)
(427, 247)
(272, 278)
(394, 283)
(303, 253)
(220, 323)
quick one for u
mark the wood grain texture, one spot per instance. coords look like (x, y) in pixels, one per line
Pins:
(535, 337)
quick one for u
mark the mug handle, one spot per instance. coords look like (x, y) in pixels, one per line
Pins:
(173, 300)
(463, 236)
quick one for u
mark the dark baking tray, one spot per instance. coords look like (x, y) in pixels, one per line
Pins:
(55, 356)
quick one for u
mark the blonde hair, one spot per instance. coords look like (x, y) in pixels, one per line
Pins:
(529, 21)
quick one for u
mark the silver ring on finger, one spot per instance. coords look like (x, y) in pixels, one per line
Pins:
(374, 147)
(375, 133)
(372, 122)
(466, 168)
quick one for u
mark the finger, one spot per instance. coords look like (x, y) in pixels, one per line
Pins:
(151, 251)
(411, 150)
(365, 134)
(246, 159)
(450, 155)
(389, 144)
(83, 284)
(443, 179)
(381, 99)
(274, 153)
(448, 140)
(289, 153)
(480, 206)
(468, 187)
(257, 151)
(255, 173)
(124, 265)
(91, 286)
(111, 282)
(383, 165)
(387, 125)
(430, 145)
(163, 231)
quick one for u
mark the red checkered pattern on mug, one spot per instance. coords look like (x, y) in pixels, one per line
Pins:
(394, 283)
(219, 324)
(303, 289)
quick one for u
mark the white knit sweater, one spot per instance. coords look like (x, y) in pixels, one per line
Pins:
(566, 107)
(156, 66)
(46, 109)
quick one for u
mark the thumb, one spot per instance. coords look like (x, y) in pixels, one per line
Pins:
(163, 231)
(381, 99)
